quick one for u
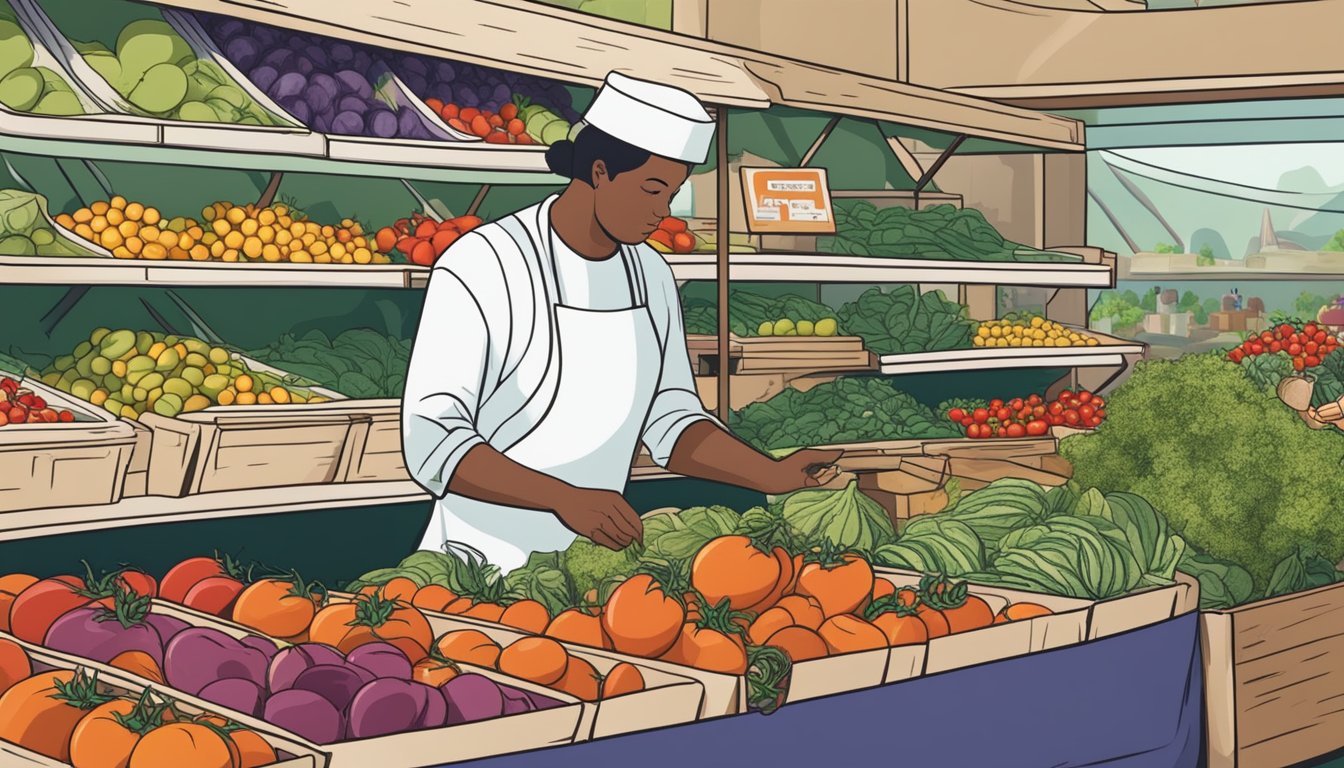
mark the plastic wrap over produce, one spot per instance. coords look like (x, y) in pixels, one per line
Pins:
(329, 85)
(32, 79)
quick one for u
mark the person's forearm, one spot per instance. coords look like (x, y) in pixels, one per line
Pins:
(487, 475)
(704, 450)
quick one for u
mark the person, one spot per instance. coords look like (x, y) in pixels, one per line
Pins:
(551, 342)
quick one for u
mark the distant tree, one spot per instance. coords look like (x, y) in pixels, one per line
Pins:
(1165, 248)
(1308, 304)
(1149, 301)
(1205, 258)
(1336, 243)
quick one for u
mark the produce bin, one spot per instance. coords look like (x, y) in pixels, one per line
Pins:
(668, 699)
(224, 448)
(781, 354)
(467, 741)
(291, 138)
(727, 694)
(293, 753)
(63, 464)
(1274, 679)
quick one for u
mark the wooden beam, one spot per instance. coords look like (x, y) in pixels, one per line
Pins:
(723, 247)
(821, 139)
(905, 157)
(580, 48)
(1053, 54)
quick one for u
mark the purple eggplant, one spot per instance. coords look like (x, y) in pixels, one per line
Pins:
(96, 634)
(199, 656)
(394, 706)
(167, 626)
(472, 697)
(239, 695)
(381, 660)
(337, 684)
(306, 714)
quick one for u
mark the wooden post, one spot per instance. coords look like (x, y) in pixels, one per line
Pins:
(723, 203)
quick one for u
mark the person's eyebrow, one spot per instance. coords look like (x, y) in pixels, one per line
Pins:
(660, 181)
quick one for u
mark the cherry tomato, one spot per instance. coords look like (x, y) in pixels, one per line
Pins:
(1056, 408)
(1003, 414)
(1016, 430)
(980, 415)
(1072, 418)
(995, 404)
(1016, 404)
(1037, 427)
(1035, 400)
(1084, 397)
(1086, 412)
(1312, 361)
(1299, 364)
(1038, 411)
(1257, 348)
(1310, 329)
(968, 421)
(1286, 330)
(1237, 355)
(1002, 432)
(956, 414)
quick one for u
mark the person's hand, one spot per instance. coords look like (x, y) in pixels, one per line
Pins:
(603, 516)
(791, 472)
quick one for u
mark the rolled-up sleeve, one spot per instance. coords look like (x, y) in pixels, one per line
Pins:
(444, 381)
(676, 405)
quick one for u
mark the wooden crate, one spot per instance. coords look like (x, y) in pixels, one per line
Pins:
(1274, 679)
(376, 443)
(781, 354)
(63, 464)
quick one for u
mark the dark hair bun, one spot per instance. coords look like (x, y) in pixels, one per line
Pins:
(560, 158)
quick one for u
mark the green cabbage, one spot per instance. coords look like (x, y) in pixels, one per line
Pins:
(847, 518)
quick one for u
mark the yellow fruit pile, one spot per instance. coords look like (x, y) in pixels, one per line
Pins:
(824, 327)
(1038, 332)
(231, 233)
(272, 234)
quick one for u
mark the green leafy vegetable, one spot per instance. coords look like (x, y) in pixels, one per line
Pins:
(747, 311)
(1222, 584)
(935, 544)
(589, 564)
(902, 320)
(544, 578)
(847, 519)
(937, 232)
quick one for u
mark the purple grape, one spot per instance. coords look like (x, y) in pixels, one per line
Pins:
(362, 61)
(444, 71)
(325, 82)
(382, 124)
(410, 125)
(319, 123)
(352, 104)
(353, 82)
(264, 77)
(298, 108)
(502, 94)
(228, 28)
(348, 123)
(267, 36)
(243, 52)
(341, 53)
(484, 92)
(414, 83)
(288, 84)
(297, 42)
(278, 58)
(317, 55)
(466, 97)
(317, 97)
(302, 65)
(415, 65)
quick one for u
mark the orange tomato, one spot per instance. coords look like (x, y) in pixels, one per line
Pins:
(182, 744)
(673, 225)
(902, 629)
(100, 740)
(806, 611)
(683, 242)
(575, 626)
(33, 715)
(1024, 611)
(580, 680)
(279, 607)
(140, 664)
(768, 623)
(253, 750)
(839, 588)
(538, 659)
(800, 643)
(622, 679)
(433, 598)
(371, 619)
(848, 634)
(37, 607)
(732, 568)
(468, 646)
(662, 237)
(881, 588)
(433, 672)
(400, 588)
(527, 615)
(458, 606)
(485, 612)
(934, 621)
(10, 587)
(14, 664)
(442, 239)
(467, 223)
(708, 649)
(641, 619)
(975, 613)
(782, 584)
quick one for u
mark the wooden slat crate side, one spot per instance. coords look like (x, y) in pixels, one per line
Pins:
(75, 474)
(1279, 624)
(379, 457)
(235, 457)
(1290, 706)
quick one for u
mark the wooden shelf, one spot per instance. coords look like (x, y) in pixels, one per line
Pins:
(58, 270)
(581, 48)
(142, 510)
(1106, 355)
(826, 268)
(124, 139)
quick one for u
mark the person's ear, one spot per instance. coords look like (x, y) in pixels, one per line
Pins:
(599, 171)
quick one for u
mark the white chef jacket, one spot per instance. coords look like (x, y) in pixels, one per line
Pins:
(480, 367)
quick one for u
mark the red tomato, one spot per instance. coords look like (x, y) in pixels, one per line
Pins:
(1257, 348)
(1319, 337)
(36, 608)
(1311, 347)
(1002, 432)
(1016, 430)
(18, 415)
(1086, 411)
(1016, 404)
(1057, 421)
(1286, 330)
(1037, 428)
(973, 431)
(1065, 395)
(1056, 408)
(1299, 364)
(442, 239)
(1275, 347)
(1266, 337)
(1310, 329)
(1100, 414)
(1312, 361)
(956, 414)
(40, 404)
(995, 404)
(1072, 418)
(1294, 349)
(968, 421)
(1084, 397)
(980, 415)
(1237, 355)
(422, 253)
(1038, 411)
(182, 577)
(139, 582)
(1003, 414)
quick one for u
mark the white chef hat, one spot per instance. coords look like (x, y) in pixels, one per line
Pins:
(666, 121)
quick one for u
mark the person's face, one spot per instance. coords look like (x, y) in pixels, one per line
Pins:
(630, 207)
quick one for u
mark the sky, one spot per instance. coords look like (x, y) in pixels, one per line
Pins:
(1259, 165)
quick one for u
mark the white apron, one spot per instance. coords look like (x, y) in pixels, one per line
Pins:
(609, 366)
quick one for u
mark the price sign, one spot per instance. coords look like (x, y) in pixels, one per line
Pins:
(788, 200)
